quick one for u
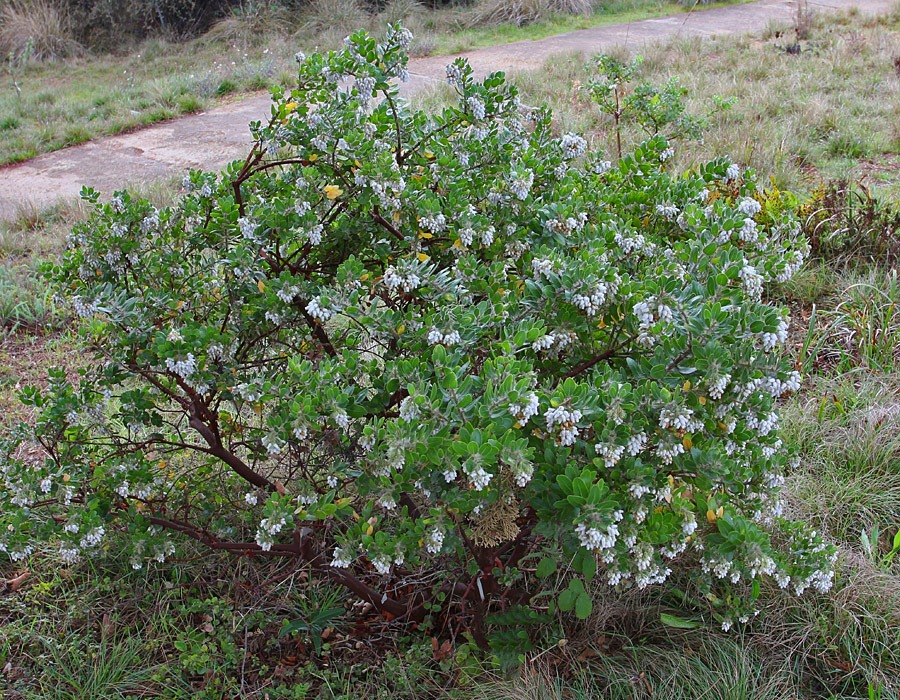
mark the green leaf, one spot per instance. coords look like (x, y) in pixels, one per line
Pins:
(658, 372)
(583, 606)
(545, 567)
(589, 568)
(567, 600)
(678, 622)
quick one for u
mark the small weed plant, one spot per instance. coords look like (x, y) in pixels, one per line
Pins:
(442, 360)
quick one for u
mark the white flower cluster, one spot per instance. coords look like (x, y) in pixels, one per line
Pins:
(610, 453)
(526, 411)
(93, 537)
(265, 534)
(677, 418)
(554, 341)
(474, 103)
(573, 145)
(395, 280)
(597, 537)
(287, 293)
(647, 313)
(593, 302)
(434, 540)
(434, 224)
(570, 225)
(667, 211)
(567, 420)
(454, 74)
(248, 229)
(342, 558)
(520, 184)
(749, 206)
(542, 266)
(716, 388)
(184, 368)
(409, 411)
(477, 475)
(601, 167)
(84, 309)
(636, 443)
(763, 424)
(436, 337)
(272, 444)
(771, 340)
(668, 452)
(752, 282)
(318, 310)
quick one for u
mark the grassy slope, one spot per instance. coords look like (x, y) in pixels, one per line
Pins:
(185, 631)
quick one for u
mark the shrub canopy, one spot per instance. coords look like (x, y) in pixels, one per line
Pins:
(459, 352)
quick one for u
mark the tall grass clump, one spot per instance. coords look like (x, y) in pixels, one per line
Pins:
(331, 20)
(37, 29)
(519, 12)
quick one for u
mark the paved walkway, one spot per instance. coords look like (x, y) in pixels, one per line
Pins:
(212, 139)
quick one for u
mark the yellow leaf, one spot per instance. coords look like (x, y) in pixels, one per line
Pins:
(687, 386)
(358, 164)
(396, 216)
(457, 243)
(313, 157)
(602, 324)
(702, 400)
(364, 277)
(261, 285)
(720, 512)
(257, 409)
(400, 329)
(687, 442)
(370, 529)
(290, 107)
(422, 257)
(517, 425)
(424, 235)
(429, 155)
(710, 516)
(65, 478)
(333, 191)
(179, 305)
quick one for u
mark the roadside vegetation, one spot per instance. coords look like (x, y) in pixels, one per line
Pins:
(823, 123)
(63, 86)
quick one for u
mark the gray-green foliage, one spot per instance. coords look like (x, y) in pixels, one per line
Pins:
(423, 348)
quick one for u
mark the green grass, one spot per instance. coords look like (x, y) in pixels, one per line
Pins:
(65, 104)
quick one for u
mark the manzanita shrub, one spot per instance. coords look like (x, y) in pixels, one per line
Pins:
(437, 359)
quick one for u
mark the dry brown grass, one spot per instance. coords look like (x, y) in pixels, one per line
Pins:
(519, 12)
(37, 29)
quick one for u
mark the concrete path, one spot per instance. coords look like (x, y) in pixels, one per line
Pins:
(212, 139)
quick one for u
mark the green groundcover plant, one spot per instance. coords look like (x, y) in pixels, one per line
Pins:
(437, 359)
